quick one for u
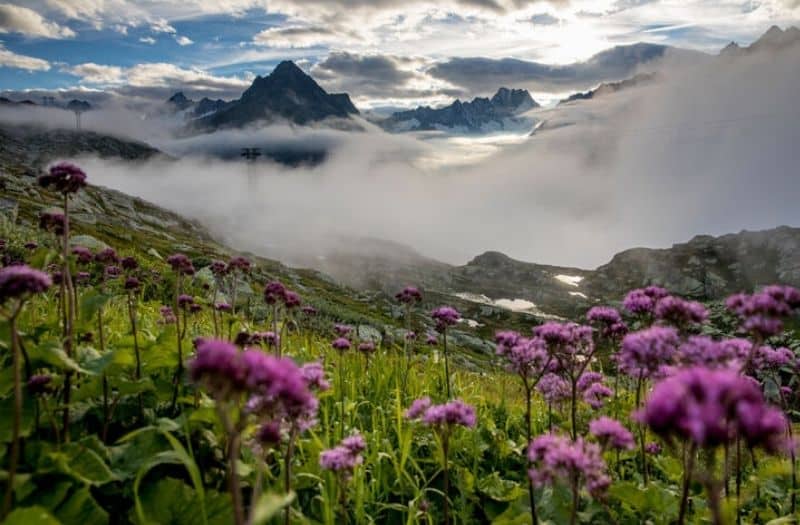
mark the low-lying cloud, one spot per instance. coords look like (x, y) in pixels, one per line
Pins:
(710, 150)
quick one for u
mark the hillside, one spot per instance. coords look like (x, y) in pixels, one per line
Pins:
(104, 216)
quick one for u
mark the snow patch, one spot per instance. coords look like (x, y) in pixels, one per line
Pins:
(572, 280)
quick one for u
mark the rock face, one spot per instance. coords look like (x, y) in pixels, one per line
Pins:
(476, 116)
(287, 93)
(37, 146)
(611, 87)
(775, 39)
(705, 268)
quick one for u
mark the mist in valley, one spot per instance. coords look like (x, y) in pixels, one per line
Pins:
(704, 150)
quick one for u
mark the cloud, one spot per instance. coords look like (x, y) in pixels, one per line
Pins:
(14, 60)
(162, 26)
(147, 40)
(480, 74)
(184, 40)
(295, 36)
(380, 78)
(156, 81)
(544, 19)
(655, 165)
(100, 74)
(17, 19)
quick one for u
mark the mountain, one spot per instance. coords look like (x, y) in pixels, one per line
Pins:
(207, 106)
(704, 268)
(479, 115)
(179, 102)
(775, 39)
(612, 87)
(287, 94)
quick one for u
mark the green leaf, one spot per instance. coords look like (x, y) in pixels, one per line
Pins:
(91, 303)
(31, 515)
(81, 507)
(498, 489)
(51, 353)
(82, 463)
(7, 417)
(269, 505)
(171, 502)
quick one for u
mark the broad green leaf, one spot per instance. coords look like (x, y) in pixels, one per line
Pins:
(7, 417)
(83, 463)
(169, 501)
(91, 303)
(52, 353)
(498, 489)
(81, 508)
(269, 505)
(30, 516)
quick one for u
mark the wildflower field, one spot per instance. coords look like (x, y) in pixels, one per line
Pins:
(145, 388)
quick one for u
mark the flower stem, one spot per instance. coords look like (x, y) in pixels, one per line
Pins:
(15, 428)
(446, 364)
(687, 480)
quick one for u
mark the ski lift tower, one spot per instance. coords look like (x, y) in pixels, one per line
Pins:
(251, 156)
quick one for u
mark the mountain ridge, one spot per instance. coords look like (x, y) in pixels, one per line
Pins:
(287, 93)
(472, 116)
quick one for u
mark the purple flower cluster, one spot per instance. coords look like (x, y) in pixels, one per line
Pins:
(132, 284)
(773, 359)
(556, 458)
(64, 177)
(642, 301)
(643, 353)
(587, 379)
(705, 351)
(82, 254)
(596, 395)
(18, 282)
(278, 389)
(167, 315)
(181, 264)
(314, 375)
(342, 330)
(218, 268)
(409, 295)
(711, 407)
(345, 457)
(444, 416)
(274, 291)
(607, 320)
(239, 263)
(52, 222)
(445, 316)
(309, 310)
(611, 433)
(527, 357)
(129, 263)
(39, 384)
(366, 347)
(185, 300)
(341, 344)
(679, 312)
(762, 313)
(554, 388)
(107, 256)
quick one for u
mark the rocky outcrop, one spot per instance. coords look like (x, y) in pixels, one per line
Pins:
(285, 94)
(481, 114)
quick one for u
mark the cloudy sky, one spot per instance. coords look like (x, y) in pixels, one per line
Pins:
(384, 52)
